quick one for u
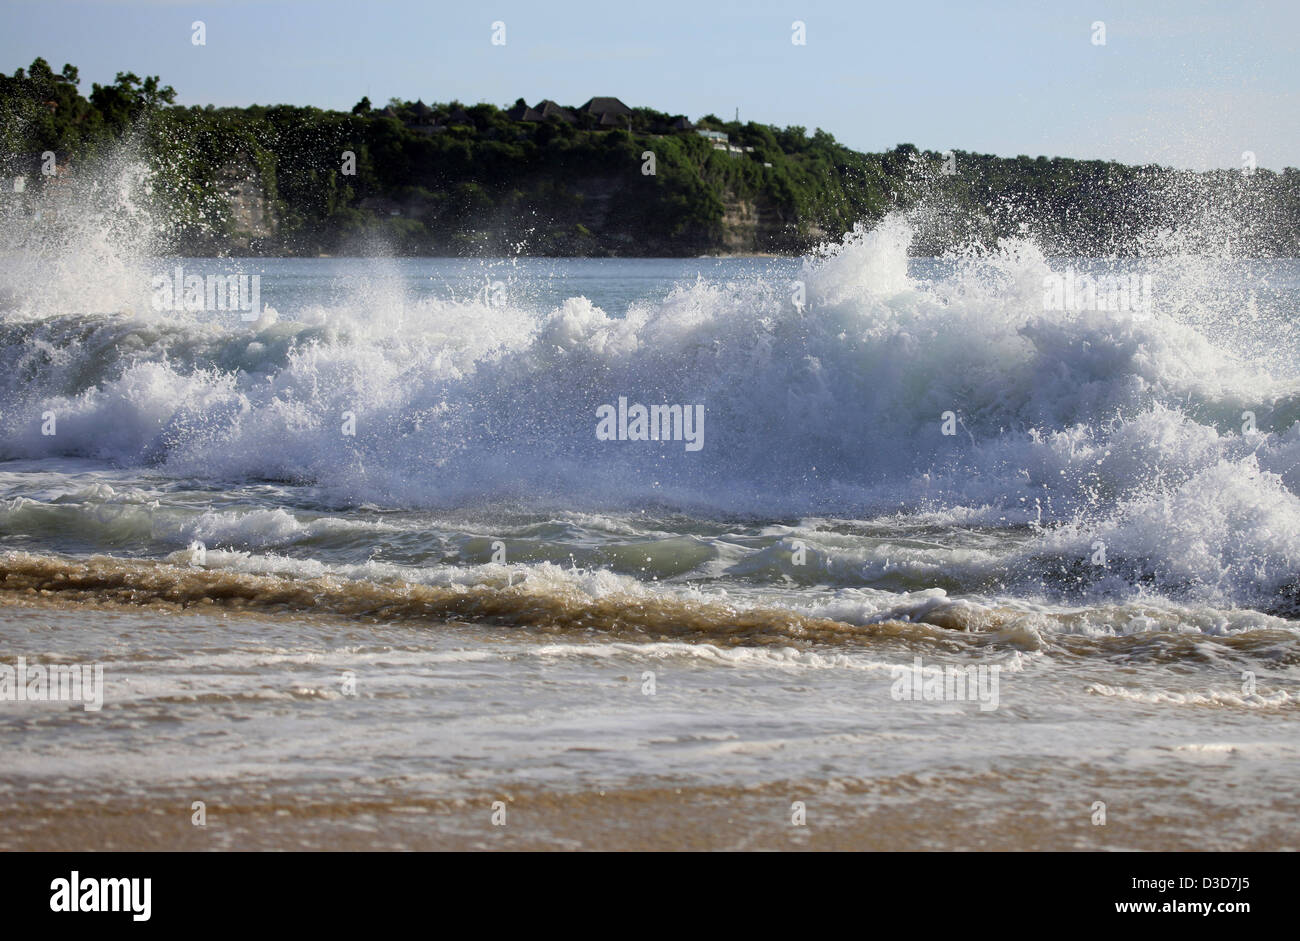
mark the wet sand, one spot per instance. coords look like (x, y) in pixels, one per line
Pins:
(1016, 812)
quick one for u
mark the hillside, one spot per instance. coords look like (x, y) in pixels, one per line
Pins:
(454, 179)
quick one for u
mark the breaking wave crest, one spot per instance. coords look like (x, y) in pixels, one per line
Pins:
(1078, 427)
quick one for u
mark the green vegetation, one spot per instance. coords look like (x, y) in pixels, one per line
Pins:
(471, 179)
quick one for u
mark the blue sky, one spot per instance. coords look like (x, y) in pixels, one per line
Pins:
(1190, 84)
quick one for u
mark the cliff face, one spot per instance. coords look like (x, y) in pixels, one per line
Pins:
(594, 214)
(600, 214)
(750, 226)
(252, 216)
(602, 205)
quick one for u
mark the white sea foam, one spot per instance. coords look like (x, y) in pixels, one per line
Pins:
(1089, 427)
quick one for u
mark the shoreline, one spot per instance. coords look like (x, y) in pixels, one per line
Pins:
(452, 735)
(1026, 811)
